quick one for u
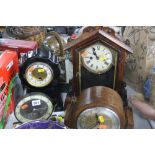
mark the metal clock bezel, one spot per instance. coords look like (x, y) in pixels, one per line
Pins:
(95, 108)
(35, 96)
(41, 85)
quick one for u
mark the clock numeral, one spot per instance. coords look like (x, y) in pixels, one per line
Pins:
(88, 61)
(106, 63)
(93, 49)
(98, 47)
(91, 65)
(96, 67)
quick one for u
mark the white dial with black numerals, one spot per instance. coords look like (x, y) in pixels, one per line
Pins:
(97, 58)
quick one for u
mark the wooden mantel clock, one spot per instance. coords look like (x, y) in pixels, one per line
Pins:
(98, 60)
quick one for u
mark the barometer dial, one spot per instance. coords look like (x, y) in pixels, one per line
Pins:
(34, 106)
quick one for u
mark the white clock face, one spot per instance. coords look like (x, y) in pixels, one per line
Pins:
(39, 74)
(97, 58)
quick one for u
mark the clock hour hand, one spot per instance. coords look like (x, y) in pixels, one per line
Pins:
(94, 53)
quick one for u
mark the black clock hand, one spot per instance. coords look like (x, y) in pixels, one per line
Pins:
(94, 52)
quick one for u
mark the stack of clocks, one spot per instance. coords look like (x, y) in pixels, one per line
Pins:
(40, 73)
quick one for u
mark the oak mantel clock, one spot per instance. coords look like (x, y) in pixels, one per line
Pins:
(98, 60)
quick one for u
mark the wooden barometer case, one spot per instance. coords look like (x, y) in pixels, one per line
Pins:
(98, 58)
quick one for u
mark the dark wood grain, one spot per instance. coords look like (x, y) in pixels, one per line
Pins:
(129, 118)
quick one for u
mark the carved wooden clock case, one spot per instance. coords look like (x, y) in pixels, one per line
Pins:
(98, 60)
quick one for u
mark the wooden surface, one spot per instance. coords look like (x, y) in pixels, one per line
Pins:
(129, 124)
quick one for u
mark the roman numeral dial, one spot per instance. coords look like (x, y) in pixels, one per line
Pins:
(97, 58)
